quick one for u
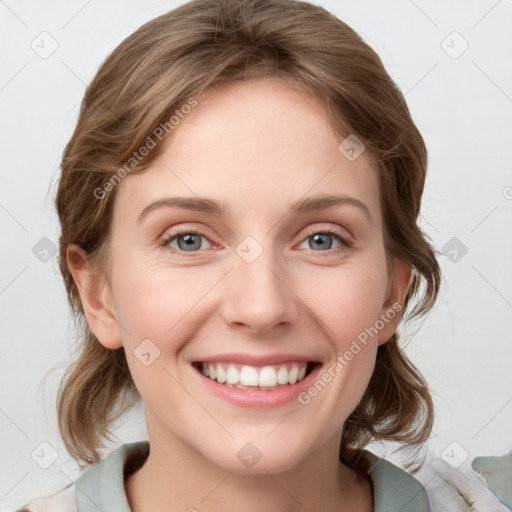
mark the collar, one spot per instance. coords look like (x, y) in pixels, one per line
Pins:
(102, 486)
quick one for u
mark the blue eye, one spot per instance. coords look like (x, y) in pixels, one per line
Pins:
(187, 241)
(323, 240)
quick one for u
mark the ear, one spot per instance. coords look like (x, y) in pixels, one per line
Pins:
(393, 306)
(96, 297)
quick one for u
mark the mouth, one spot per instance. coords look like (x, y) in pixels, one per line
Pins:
(257, 378)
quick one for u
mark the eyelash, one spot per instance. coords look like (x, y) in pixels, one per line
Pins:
(182, 231)
(345, 243)
(329, 231)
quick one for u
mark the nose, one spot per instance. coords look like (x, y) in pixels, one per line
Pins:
(258, 296)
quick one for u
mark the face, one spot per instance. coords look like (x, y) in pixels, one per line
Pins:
(270, 268)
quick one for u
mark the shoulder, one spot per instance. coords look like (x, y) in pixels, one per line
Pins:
(436, 487)
(62, 501)
(91, 490)
(394, 488)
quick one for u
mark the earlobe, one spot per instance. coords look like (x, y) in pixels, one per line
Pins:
(392, 309)
(96, 298)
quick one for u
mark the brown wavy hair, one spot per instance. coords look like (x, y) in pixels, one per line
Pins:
(197, 48)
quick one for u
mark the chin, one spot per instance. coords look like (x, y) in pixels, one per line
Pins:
(259, 457)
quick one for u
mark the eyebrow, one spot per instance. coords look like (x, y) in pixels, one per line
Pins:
(207, 205)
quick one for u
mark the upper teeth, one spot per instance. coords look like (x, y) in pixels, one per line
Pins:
(266, 376)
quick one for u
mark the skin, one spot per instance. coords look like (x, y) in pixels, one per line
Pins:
(256, 146)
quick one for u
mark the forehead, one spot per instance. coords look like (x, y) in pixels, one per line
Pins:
(254, 145)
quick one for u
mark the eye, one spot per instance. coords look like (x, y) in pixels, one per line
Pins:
(323, 240)
(186, 240)
(191, 240)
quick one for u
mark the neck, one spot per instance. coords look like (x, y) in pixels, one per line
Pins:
(176, 477)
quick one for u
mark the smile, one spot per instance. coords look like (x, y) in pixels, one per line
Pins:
(269, 377)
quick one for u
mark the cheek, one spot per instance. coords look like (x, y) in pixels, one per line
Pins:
(346, 300)
(347, 303)
(155, 307)
(152, 299)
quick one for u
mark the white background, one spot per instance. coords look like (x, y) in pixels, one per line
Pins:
(463, 108)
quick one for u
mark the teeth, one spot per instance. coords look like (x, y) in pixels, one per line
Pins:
(221, 375)
(282, 376)
(233, 375)
(268, 376)
(250, 376)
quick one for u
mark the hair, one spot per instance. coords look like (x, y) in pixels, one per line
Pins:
(197, 48)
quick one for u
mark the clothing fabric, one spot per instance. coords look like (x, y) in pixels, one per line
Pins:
(102, 486)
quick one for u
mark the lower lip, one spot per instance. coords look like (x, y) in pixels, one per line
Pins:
(256, 398)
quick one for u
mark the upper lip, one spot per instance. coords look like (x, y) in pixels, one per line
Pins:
(251, 360)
